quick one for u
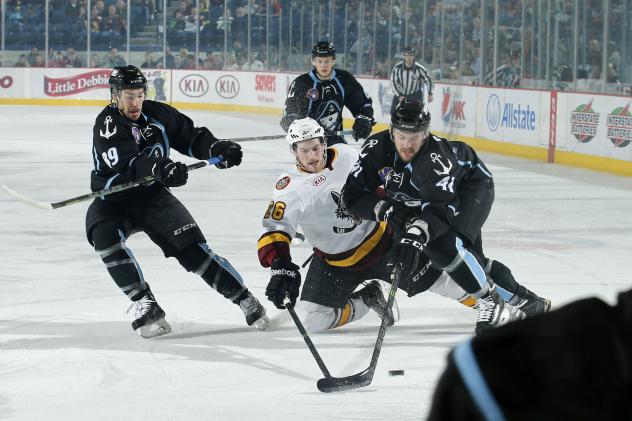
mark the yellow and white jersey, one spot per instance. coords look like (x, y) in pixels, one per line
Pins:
(312, 201)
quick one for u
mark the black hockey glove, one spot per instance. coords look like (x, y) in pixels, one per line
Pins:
(409, 248)
(362, 127)
(230, 151)
(285, 279)
(395, 214)
(204, 134)
(169, 173)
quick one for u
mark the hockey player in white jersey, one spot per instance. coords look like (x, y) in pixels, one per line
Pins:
(347, 251)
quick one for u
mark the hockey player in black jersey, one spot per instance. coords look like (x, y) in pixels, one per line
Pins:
(438, 196)
(132, 138)
(574, 363)
(323, 92)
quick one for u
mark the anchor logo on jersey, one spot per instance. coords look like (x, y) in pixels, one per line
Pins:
(108, 134)
(445, 170)
(327, 115)
(343, 213)
(367, 145)
(147, 132)
(392, 179)
(329, 91)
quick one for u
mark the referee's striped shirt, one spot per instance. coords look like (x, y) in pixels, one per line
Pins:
(413, 81)
(506, 76)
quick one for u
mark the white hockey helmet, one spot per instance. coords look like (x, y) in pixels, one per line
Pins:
(304, 129)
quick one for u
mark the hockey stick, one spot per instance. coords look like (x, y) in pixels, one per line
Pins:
(104, 192)
(275, 136)
(364, 378)
(255, 138)
(306, 338)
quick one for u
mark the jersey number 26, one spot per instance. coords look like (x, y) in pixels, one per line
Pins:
(275, 210)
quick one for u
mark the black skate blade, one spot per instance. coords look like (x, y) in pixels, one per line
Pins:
(340, 384)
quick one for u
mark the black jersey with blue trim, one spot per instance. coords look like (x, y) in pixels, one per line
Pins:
(125, 150)
(431, 181)
(323, 100)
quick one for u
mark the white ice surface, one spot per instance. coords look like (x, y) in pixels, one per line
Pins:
(67, 350)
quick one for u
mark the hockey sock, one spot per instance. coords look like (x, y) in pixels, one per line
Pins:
(446, 287)
(460, 264)
(109, 242)
(354, 309)
(216, 271)
(503, 278)
(468, 301)
(317, 317)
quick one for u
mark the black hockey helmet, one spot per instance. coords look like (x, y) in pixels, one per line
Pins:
(324, 49)
(410, 115)
(126, 77)
(409, 51)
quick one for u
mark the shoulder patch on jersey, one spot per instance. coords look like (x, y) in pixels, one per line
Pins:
(136, 134)
(384, 172)
(283, 183)
(319, 180)
(108, 134)
(312, 94)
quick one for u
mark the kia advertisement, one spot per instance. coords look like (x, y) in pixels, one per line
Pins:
(194, 85)
(227, 86)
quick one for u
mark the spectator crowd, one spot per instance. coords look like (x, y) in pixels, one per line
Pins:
(277, 35)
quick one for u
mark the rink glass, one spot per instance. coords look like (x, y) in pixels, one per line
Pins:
(563, 44)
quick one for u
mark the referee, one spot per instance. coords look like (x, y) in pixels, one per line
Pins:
(410, 79)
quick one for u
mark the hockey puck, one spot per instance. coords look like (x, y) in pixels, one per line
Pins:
(395, 372)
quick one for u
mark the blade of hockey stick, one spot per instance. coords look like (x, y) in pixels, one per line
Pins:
(101, 193)
(364, 378)
(341, 384)
(26, 200)
(306, 338)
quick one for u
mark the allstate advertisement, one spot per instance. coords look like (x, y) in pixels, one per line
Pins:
(596, 124)
(512, 116)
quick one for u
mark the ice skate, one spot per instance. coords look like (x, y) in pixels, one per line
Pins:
(529, 303)
(149, 319)
(373, 296)
(492, 312)
(255, 312)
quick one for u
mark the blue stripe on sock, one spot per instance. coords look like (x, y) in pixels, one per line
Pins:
(504, 294)
(132, 257)
(471, 262)
(223, 263)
